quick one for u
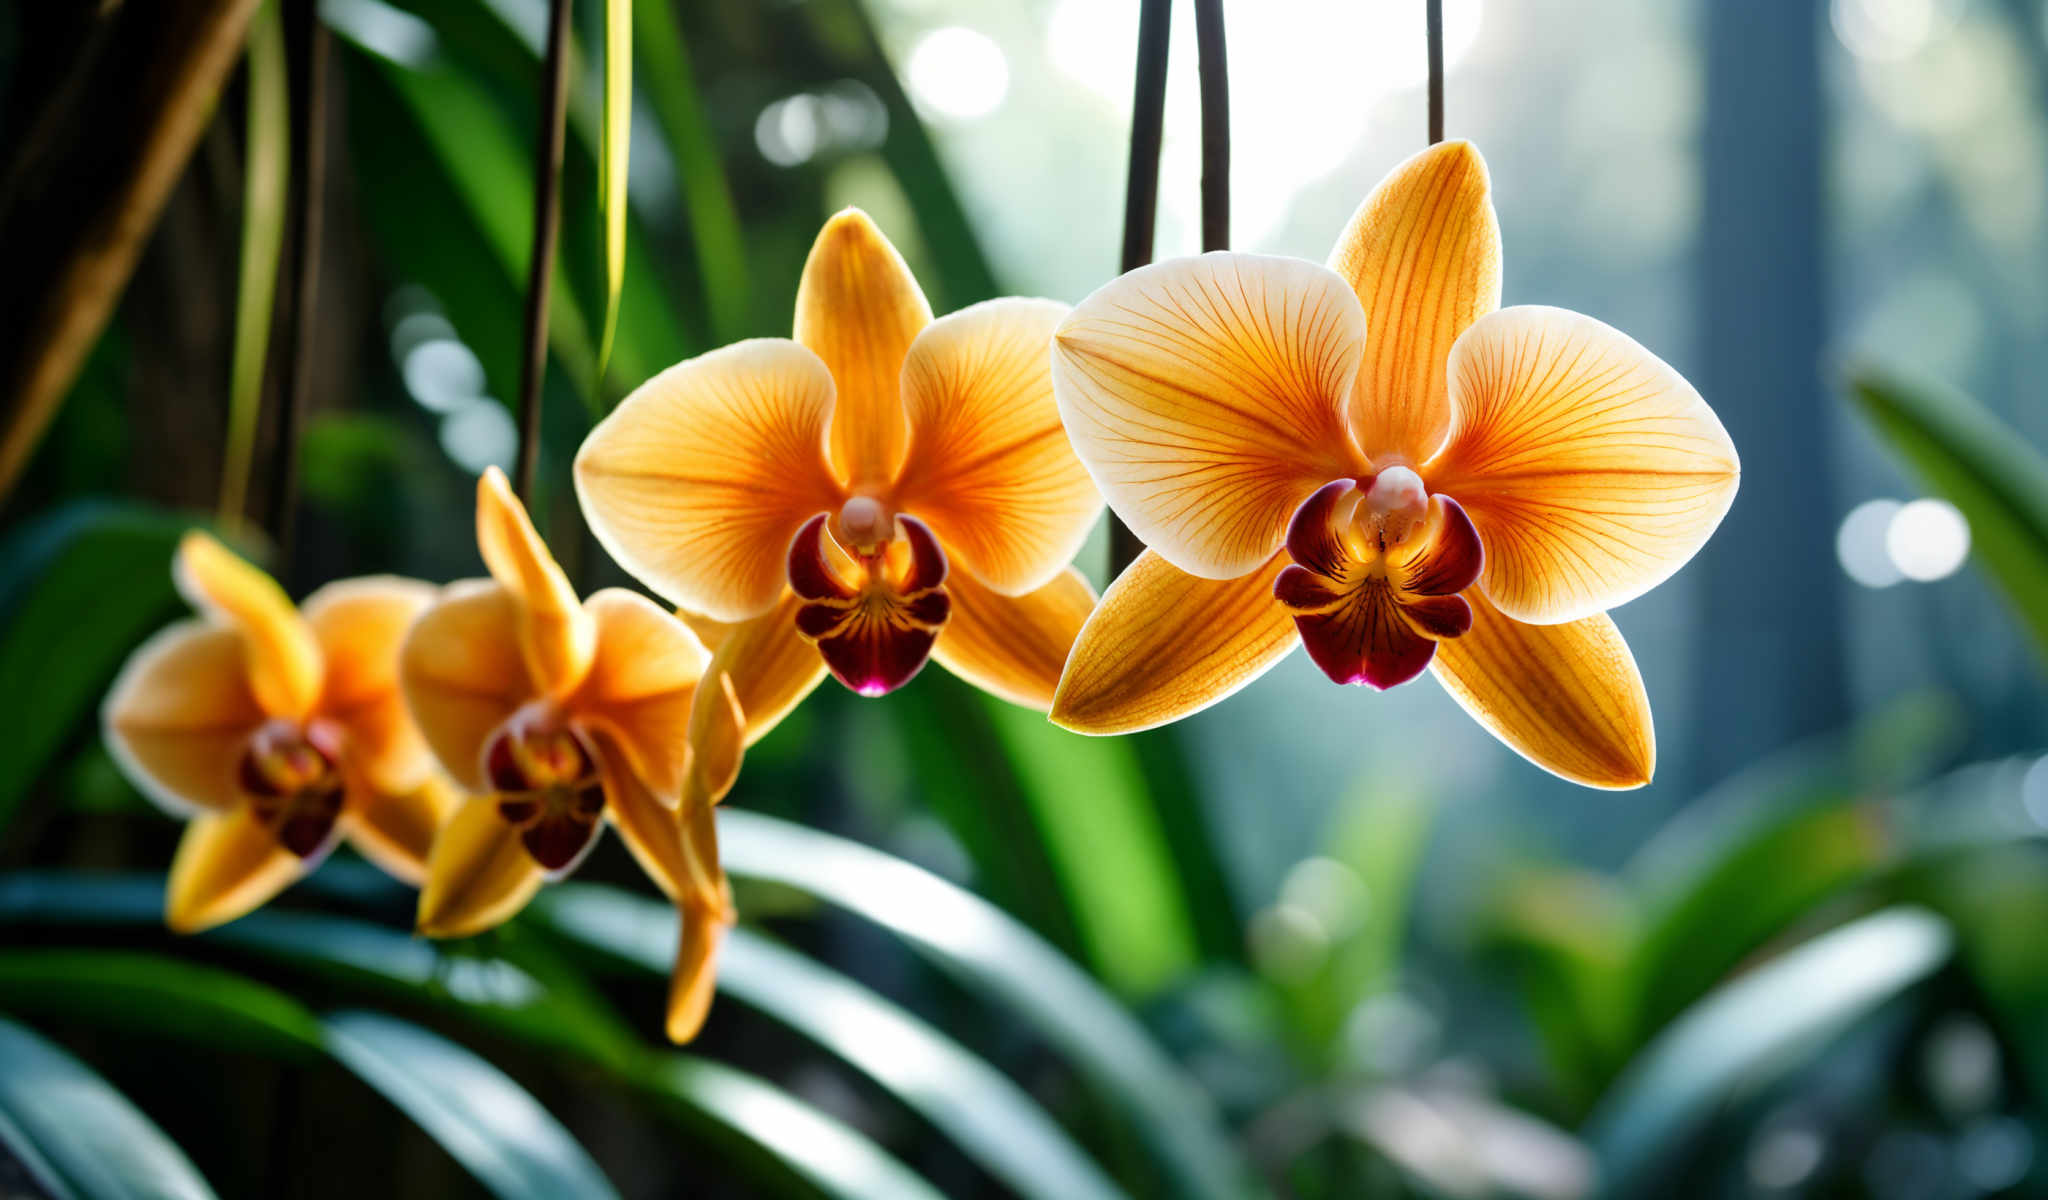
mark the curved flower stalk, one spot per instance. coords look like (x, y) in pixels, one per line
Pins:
(1375, 461)
(276, 731)
(555, 717)
(882, 489)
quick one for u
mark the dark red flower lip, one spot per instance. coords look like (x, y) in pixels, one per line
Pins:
(294, 787)
(877, 636)
(551, 793)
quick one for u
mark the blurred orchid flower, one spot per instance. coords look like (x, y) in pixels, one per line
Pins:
(1374, 460)
(277, 732)
(554, 716)
(882, 489)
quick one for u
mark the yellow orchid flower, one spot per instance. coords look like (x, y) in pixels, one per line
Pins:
(556, 715)
(882, 489)
(276, 731)
(1375, 460)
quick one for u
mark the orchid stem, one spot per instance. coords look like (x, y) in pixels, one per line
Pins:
(1212, 65)
(1434, 20)
(1141, 192)
(547, 221)
(309, 151)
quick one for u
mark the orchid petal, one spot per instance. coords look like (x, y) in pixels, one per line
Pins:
(696, 482)
(227, 865)
(463, 674)
(360, 625)
(478, 875)
(1566, 697)
(1206, 397)
(180, 716)
(989, 467)
(1014, 647)
(555, 634)
(396, 830)
(641, 685)
(1592, 470)
(858, 308)
(1423, 255)
(1164, 644)
(283, 660)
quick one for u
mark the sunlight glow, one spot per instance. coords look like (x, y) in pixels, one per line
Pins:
(958, 73)
(1928, 540)
(1860, 544)
(1889, 30)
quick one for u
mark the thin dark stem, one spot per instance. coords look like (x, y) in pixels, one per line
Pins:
(1213, 67)
(1141, 191)
(307, 36)
(1435, 20)
(547, 222)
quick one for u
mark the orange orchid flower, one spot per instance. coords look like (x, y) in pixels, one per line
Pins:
(555, 716)
(882, 489)
(276, 731)
(1378, 462)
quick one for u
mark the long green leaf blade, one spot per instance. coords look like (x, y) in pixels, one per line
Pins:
(1754, 1026)
(992, 1119)
(1985, 469)
(78, 1136)
(992, 954)
(612, 164)
(266, 180)
(476, 1112)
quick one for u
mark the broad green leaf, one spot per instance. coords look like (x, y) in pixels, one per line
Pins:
(266, 187)
(1985, 469)
(819, 1149)
(78, 1137)
(991, 954)
(991, 1119)
(1103, 834)
(488, 1123)
(612, 161)
(79, 588)
(1567, 934)
(125, 989)
(1753, 1029)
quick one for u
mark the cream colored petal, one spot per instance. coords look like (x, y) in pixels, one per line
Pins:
(989, 466)
(1423, 254)
(640, 686)
(463, 674)
(1014, 647)
(283, 659)
(360, 625)
(478, 874)
(555, 634)
(858, 307)
(696, 482)
(180, 715)
(1566, 697)
(1206, 397)
(1164, 644)
(1591, 469)
(227, 865)
(396, 830)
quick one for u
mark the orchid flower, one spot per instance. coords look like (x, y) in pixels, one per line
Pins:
(555, 716)
(276, 731)
(1376, 461)
(882, 489)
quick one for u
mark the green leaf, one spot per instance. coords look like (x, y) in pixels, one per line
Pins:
(77, 1136)
(79, 588)
(611, 173)
(488, 1123)
(125, 989)
(990, 1118)
(1983, 467)
(266, 187)
(1753, 1029)
(819, 1149)
(1099, 825)
(990, 953)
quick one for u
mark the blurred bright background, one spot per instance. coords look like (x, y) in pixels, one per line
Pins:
(1393, 957)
